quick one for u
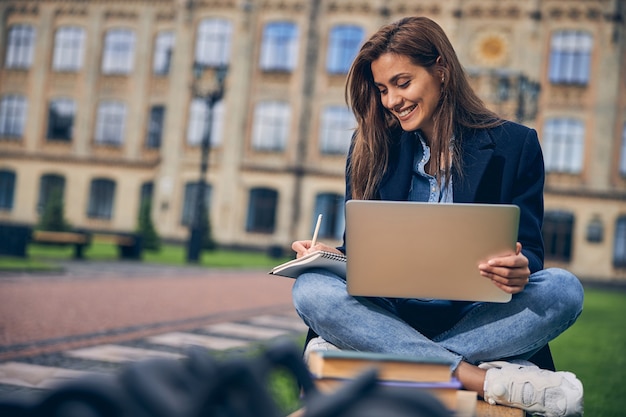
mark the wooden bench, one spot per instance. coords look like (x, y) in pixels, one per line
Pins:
(129, 245)
(78, 239)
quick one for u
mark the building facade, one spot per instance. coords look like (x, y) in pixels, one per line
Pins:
(98, 100)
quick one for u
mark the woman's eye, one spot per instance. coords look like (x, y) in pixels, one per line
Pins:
(404, 85)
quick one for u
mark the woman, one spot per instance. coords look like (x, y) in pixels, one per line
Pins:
(423, 135)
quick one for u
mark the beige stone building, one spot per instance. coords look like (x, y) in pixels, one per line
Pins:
(98, 99)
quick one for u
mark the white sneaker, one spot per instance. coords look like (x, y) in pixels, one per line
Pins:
(317, 343)
(537, 391)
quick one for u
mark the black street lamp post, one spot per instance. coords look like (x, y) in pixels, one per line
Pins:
(198, 223)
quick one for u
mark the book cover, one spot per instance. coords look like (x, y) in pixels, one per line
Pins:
(446, 392)
(348, 364)
(331, 261)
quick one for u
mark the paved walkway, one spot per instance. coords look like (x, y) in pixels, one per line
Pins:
(96, 316)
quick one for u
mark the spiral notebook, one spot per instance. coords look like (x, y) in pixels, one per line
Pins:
(320, 259)
(426, 250)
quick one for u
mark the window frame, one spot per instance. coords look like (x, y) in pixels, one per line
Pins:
(564, 145)
(69, 49)
(20, 46)
(570, 57)
(262, 210)
(110, 121)
(118, 51)
(8, 180)
(336, 129)
(101, 201)
(163, 51)
(213, 42)
(279, 47)
(270, 126)
(13, 113)
(343, 45)
(54, 122)
(156, 123)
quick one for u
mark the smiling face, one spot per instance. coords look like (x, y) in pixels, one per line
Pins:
(408, 91)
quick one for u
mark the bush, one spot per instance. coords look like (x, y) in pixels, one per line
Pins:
(150, 237)
(53, 215)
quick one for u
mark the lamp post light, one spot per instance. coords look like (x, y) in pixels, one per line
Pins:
(210, 98)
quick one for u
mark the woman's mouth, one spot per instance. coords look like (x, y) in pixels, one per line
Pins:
(406, 111)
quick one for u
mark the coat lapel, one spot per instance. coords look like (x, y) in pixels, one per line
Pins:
(477, 151)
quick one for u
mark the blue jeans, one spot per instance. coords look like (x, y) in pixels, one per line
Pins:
(453, 331)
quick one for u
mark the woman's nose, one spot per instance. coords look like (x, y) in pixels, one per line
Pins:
(393, 100)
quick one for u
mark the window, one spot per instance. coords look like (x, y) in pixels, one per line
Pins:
(558, 227)
(336, 130)
(262, 210)
(101, 194)
(155, 127)
(7, 189)
(331, 206)
(343, 45)
(271, 126)
(191, 200)
(570, 57)
(563, 145)
(619, 247)
(20, 47)
(13, 110)
(279, 48)
(622, 159)
(110, 123)
(49, 185)
(61, 119)
(198, 120)
(119, 49)
(163, 49)
(69, 49)
(213, 42)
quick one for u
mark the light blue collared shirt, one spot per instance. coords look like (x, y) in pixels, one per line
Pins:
(425, 187)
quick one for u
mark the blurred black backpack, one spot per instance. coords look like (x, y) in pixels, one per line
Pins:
(201, 386)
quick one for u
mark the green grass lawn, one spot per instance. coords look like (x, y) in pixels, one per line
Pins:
(594, 348)
(42, 257)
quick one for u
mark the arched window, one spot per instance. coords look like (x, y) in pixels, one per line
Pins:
(213, 42)
(20, 47)
(570, 57)
(101, 197)
(270, 127)
(262, 210)
(337, 126)
(558, 230)
(563, 145)
(7, 189)
(279, 47)
(343, 45)
(13, 110)
(119, 51)
(111, 123)
(69, 48)
(163, 50)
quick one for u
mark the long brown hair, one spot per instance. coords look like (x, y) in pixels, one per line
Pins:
(426, 44)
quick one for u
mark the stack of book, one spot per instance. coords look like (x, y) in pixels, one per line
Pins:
(331, 368)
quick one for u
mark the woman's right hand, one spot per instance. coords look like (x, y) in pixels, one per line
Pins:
(303, 247)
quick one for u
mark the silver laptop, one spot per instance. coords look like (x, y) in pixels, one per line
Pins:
(426, 250)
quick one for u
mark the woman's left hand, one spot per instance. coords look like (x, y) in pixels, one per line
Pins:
(509, 273)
